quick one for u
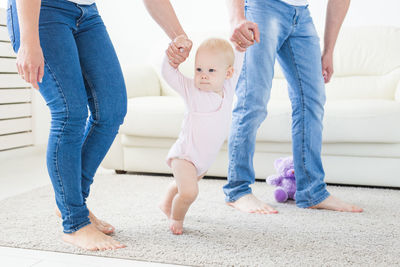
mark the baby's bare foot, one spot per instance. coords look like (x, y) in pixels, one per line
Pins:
(249, 203)
(333, 203)
(103, 226)
(176, 227)
(165, 208)
(91, 238)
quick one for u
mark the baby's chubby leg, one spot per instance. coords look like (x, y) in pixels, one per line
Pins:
(185, 174)
(166, 204)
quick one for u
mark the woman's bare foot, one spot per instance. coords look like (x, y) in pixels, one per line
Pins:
(91, 238)
(333, 203)
(165, 208)
(249, 203)
(103, 226)
(176, 227)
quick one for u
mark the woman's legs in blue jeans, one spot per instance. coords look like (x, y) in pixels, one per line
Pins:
(105, 88)
(107, 103)
(81, 70)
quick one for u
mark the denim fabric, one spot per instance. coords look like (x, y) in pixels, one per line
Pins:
(82, 73)
(287, 33)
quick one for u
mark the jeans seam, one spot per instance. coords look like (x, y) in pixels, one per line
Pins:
(96, 105)
(12, 39)
(234, 141)
(302, 117)
(59, 140)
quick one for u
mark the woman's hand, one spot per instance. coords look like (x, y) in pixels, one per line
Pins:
(244, 34)
(178, 50)
(30, 63)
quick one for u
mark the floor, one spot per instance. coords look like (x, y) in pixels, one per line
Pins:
(23, 170)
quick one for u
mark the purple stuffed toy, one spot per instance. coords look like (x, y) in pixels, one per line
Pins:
(284, 180)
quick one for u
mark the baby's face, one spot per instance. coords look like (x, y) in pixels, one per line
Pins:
(211, 70)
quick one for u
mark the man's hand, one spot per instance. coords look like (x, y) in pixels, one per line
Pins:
(327, 66)
(178, 50)
(244, 34)
(335, 13)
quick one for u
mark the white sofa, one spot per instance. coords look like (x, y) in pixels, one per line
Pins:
(361, 139)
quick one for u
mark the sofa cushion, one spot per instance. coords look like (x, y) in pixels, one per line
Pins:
(387, 150)
(154, 116)
(360, 121)
(141, 80)
(370, 50)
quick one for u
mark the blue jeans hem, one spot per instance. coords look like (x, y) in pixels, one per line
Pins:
(76, 228)
(236, 197)
(310, 203)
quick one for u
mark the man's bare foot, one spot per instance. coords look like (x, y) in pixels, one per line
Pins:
(103, 226)
(165, 208)
(333, 203)
(176, 227)
(91, 238)
(249, 203)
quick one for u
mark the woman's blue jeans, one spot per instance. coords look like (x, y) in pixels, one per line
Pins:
(82, 73)
(288, 34)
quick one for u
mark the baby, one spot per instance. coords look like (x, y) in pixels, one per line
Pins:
(206, 123)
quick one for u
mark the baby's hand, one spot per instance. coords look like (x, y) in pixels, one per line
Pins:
(178, 50)
(182, 42)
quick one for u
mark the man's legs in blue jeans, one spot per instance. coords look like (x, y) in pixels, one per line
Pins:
(300, 59)
(289, 33)
(253, 92)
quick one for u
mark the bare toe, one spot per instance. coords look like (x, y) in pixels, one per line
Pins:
(176, 227)
(103, 226)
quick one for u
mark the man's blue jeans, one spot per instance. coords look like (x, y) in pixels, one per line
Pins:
(287, 33)
(81, 71)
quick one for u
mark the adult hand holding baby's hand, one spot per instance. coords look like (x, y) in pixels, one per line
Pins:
(178, 50)
(244, 34)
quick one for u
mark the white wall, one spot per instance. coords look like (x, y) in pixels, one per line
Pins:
(137, 38)
(135, 35)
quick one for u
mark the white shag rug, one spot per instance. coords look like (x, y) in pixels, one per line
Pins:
(215, 234)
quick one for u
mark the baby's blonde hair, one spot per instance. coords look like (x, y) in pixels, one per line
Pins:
(221, 46)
